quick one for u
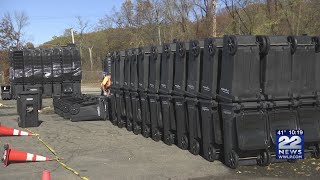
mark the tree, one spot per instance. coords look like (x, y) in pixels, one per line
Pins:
(11, 34)
(12, 29)
(29, 45)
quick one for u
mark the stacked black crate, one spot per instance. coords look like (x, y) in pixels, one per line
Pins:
(56, 70)
(16, 71)
(202, 82)
(67, 84)
(143, 83)
(165, 93)
(153, 93)
(76, 70)
(36, 79)
(29, 79)
(47, 72)
(245, 125)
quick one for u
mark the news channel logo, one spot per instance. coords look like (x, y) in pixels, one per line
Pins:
(290, 144)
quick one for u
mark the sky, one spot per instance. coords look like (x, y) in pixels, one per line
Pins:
(48, 18)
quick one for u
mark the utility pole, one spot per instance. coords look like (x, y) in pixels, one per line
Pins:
(72, 35)
(214, 18)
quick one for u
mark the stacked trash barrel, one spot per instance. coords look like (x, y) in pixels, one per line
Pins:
(53, 70)
(220, 97)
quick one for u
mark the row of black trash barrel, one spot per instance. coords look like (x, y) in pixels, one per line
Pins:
(54, 70)
(222, 98)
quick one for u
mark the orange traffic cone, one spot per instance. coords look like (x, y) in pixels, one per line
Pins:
(12, 132)
(46, 175)
(13, 155)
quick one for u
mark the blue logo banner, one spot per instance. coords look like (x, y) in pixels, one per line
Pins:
(289, 144)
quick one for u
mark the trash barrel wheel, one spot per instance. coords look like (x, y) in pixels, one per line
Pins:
(169, 139)
(140, 52)
(154, 52)
(293, 44)
(211, 156)
(74, 109)
(211, 47)
(66, 108)
(316, 41)
(146, 131)
(233, 161)
(264, 158)
(121, 124)
(115, 122)
(136, 129)
(232, 45)
(129, 126)
(195, 147)
(184, 142)
(195, 48)
(316, 154)
(264, 44)
(167, 50)
(156, 136)
(19, 124)
(181, 49)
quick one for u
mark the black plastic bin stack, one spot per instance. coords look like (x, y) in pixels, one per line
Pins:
(47, 72)
(293, 99)
(17, 71)
(221, 98)
(56, 70)
(154, 94)
(242, 105)
(204, 126)
(117, 96)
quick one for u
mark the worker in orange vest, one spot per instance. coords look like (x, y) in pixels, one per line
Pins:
(105, 85)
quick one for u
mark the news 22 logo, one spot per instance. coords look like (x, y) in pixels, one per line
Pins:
(289, 144)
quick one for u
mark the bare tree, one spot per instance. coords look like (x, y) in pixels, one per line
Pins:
(12, 29)
(22, 20)
(208, 11)
(82, 27)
